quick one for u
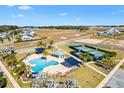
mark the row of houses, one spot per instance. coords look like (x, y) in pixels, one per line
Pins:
(109, 32)
(27, 34)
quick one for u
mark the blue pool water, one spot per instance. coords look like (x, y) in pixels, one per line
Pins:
(40, 64)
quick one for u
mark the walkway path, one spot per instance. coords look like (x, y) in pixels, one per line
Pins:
(15, 84)
(82, 61)
(108, 77)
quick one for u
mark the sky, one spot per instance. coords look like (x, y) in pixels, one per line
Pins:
(55, 15)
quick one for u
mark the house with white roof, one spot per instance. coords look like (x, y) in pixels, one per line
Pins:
(3, 34)
(109, 32)
(26, 37)
(27, 34)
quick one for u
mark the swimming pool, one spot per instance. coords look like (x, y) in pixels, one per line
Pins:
(40, 64)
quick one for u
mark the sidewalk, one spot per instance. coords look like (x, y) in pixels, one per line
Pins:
(110, 74)
(15, 84)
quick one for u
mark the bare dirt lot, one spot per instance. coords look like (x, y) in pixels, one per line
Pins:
(114, 42)
(60, 34)
(91, 41)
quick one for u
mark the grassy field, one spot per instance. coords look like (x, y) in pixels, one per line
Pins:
(58, 34)
(87, 77)
(99, 68)
(66, 48)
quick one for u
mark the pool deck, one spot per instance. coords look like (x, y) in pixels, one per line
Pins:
(53, 69)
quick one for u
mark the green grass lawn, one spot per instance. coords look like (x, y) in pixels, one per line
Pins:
(87, 77)
(66, 48)
(100, 68)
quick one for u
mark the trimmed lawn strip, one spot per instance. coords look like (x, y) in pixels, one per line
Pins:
(86, 77)
(66, 48)
(9, 84)
(99, 68)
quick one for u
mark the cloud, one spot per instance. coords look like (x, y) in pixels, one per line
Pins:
(11, 5)
(118, 12)
(77, 19)
(17, 16)
(63, 14)
(25, 7)
(13, 16)
(20, 15)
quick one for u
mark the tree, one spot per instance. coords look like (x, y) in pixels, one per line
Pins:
(18, 37)
(90, 57)
(11, 60)
(108, 62)
(21, 67)
(72, 84)
(51, 44)
(42, 81)
(45, 53)
(41, 44)
(86, 57)
(6, 50)
(3, 82)
(8, 37)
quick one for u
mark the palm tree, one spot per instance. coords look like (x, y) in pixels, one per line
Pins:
(8, 37)
(45, 53)
(11, 60)
(1, 40)
(51, 44)
(41, 44)
(19, 69)
(86, 56)
(91, 58)
(18, 37)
